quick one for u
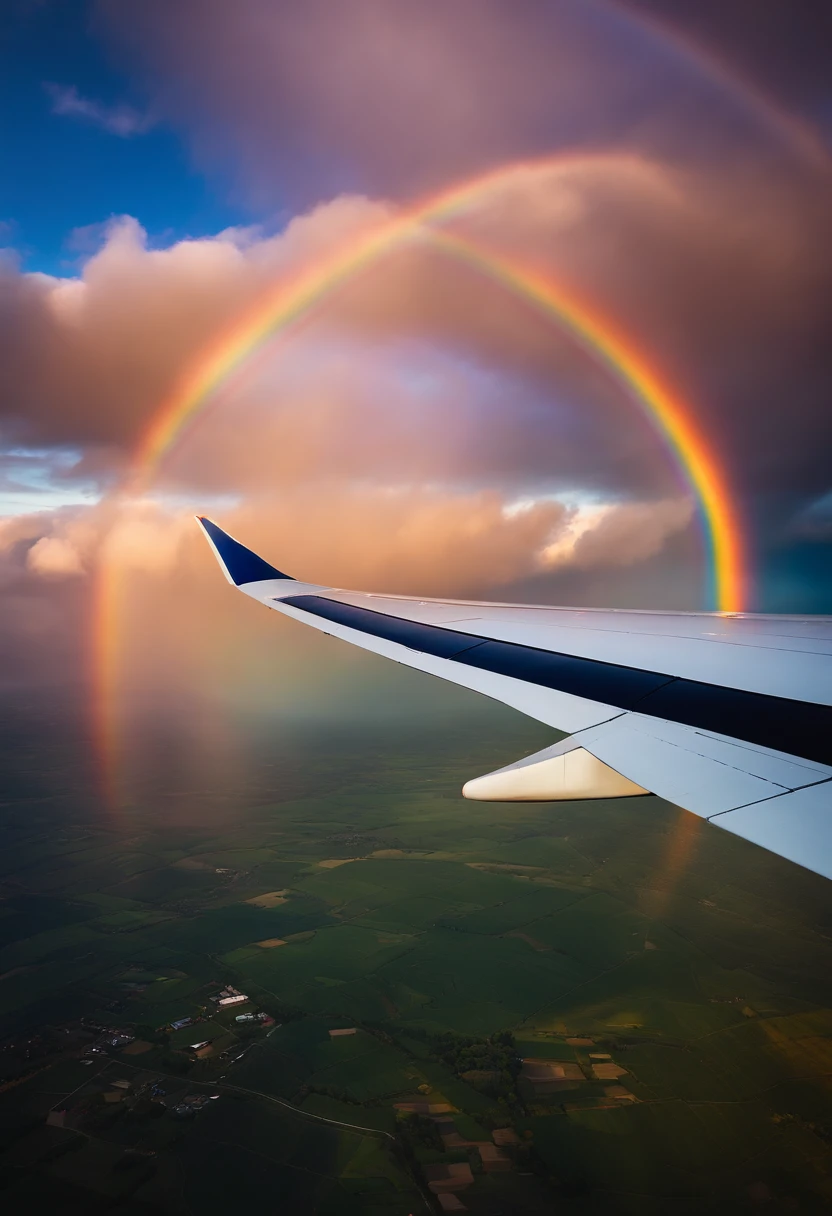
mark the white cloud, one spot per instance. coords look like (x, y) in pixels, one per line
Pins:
(119, 119)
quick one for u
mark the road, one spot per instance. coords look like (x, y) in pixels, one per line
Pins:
(295, 1110)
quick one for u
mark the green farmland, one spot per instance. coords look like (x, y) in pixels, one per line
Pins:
(667, 990)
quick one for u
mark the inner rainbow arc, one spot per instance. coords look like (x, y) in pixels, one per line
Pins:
(666, 408)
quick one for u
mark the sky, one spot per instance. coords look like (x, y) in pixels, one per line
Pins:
(168, 165)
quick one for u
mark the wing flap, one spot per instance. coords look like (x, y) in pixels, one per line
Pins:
(796, 825)
(680, 768)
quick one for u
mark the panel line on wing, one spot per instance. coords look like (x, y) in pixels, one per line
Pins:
(771, 798)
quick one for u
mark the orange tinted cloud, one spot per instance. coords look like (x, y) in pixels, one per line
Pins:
(402, 539)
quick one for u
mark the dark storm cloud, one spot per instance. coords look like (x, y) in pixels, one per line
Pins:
(392, 97)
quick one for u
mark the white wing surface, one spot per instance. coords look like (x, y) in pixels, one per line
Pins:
(727, 716)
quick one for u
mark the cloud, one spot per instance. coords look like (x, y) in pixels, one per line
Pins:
(119, 119)
(88, 360)
(404, 539)
(294, 100)
(623, 534)
(53, 556)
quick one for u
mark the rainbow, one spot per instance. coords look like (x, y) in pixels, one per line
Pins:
(292, 301)
(278, 313)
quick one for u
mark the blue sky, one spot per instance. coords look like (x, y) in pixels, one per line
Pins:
(65, 171)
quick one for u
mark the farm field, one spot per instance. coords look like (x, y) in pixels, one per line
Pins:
(670, 985)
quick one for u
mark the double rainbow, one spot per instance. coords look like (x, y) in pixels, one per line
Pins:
(277, 313)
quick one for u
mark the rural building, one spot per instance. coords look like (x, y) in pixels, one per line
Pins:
(230, 990)
(238, 998)
(334, 1034)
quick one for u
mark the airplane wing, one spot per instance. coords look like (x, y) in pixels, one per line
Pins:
(728, 716)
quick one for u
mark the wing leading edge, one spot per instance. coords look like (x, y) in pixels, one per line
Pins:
(729, 717)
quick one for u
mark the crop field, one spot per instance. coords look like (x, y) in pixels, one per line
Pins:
(530, 903)
(429, 927)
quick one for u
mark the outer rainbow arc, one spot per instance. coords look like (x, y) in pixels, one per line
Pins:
(793, 130)
(294, 301)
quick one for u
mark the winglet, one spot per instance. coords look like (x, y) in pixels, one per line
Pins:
(239, 564)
